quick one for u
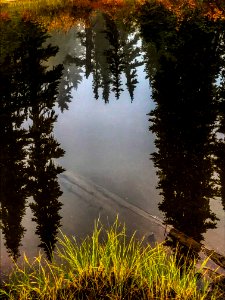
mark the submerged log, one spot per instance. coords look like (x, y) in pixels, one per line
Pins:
(109, 204)
(189, 242)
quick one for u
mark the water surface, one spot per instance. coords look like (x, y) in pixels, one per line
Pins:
(104, 114)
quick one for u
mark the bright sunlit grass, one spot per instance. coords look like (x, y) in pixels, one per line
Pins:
(106, 265)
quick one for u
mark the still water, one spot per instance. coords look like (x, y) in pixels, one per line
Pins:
(109, 119)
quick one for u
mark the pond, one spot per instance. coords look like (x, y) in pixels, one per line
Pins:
(112, 116)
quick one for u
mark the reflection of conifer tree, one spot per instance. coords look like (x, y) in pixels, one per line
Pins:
(114, 54)
(151, 60)
(69, 54)
(96, 80)
(45, 187)
(86, 38)
(220, 153)
(13, 104)
(106, 88)
(94, 61)
(183, 89)
(89, 46)
(155, 41)
(90, 61)
(131, 52)
(79, 55)
(122, 56)
(43, 171)
(31, 89)
(64, 92)
(27, 87)
(101, 45)
(70, 79)
(220, 145)
(13, 179)
(108, 52)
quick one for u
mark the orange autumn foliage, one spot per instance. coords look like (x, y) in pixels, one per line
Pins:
(62, 15)
(211, 9)
(65, 14)
(4, 16)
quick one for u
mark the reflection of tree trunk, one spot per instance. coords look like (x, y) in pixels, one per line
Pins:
(89, 48)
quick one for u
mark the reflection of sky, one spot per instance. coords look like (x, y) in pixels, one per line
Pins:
(110, 143)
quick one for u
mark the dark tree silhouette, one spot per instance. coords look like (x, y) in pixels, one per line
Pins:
(44, 148)
(13, 112)
(220, 145)
(109, 51)
(69, 54)
(131, 62)
(28, 93)
(71, 78)
(86, 38)
(114, 55)
(183, 84)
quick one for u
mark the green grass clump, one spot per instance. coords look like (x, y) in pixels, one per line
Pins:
(106, 265)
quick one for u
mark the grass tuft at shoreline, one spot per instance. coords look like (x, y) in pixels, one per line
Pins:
(106, 265)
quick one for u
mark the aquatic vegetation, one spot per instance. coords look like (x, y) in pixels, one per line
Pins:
(106, 265)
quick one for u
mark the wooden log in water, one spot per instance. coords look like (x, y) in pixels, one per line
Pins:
(189, 242)
(108, 201)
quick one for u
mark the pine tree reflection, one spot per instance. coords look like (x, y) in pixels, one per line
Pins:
(44, 148)
(110, 51)
(44, 185)
(87, 41)
(101, 45)
(28, 90)
(13, 179)
(131, 53)
(94, 61)
(220, 152)
(122, 56)
(220, 145)
(71, 77)
(13, 111)
(184, 118)
(114, 55)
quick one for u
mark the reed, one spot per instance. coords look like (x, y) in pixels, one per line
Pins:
(106, 265)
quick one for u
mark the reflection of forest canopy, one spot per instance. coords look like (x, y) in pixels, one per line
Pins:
(72, 72)
(182, 61)
(183, 65)
(28, 92)
(108, 52)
